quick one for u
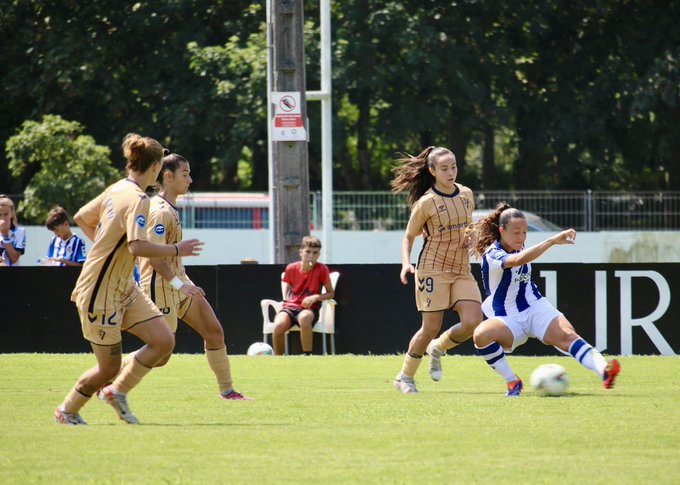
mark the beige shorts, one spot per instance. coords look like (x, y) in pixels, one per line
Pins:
(173, 313)
(441, 291)
(105, 328)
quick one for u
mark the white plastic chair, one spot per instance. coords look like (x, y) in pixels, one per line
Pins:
(325, 325)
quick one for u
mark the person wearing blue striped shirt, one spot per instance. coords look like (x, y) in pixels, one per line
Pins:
(66, 249)
(12, 235)
(514, 307)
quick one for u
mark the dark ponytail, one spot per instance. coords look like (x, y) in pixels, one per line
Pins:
(413, 175)
(485, 231)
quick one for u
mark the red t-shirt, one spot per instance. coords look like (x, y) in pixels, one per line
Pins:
(304, 283)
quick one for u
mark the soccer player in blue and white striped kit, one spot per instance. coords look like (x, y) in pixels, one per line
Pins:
(66, 249)
(514, 307)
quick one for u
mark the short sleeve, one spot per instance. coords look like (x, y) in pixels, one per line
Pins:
(325, 276)
(79, 253)
(417, 221)
(158, 226)
(136, 220)
(90, 211)
(496, 257)
(287, 276)
(20, 240)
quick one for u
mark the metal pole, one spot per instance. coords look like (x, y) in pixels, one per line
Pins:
(326, 133)
(324, 95)
(270, 159)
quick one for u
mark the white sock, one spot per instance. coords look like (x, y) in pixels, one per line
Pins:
(588, 356)
(495, 357)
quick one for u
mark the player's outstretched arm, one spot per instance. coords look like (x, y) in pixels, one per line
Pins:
(527, 255)
(147, 249)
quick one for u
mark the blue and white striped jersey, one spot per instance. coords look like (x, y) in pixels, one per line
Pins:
(16, 237)
(72, 249)
(508, 291)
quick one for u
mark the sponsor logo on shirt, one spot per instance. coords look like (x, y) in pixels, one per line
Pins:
(452, 227)
(523, 278)
(141, 220)
(159, 229)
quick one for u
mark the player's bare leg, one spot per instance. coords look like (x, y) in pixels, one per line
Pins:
(430, 326)
(201, 317)
(159, 343)
(108, 364)
(470, 314)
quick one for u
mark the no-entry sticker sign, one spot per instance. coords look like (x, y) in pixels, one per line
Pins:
(287, 124)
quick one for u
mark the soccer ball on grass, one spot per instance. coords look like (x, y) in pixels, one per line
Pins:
(260, 348)
(550, 380)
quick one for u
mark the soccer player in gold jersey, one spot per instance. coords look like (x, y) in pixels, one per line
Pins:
(441, 211)
(107, 299)
(165, 281)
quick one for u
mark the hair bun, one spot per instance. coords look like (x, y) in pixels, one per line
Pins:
(166, 152)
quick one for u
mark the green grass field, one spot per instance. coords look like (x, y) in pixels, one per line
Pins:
(339, 420)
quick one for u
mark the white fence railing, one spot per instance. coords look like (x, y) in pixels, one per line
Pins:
(370, 211)
(383, 210)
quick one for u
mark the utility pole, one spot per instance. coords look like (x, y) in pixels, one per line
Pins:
(290, 164)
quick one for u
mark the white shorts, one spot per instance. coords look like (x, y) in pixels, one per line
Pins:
(532, 322)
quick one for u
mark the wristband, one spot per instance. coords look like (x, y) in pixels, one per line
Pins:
(176, 249)
(176, 283)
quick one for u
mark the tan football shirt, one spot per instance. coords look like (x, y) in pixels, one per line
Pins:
(442, 219)
(164, 228)
(120, 214)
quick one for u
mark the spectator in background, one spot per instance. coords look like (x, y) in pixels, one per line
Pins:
(66, 249)
(301, 285)
(12, 236)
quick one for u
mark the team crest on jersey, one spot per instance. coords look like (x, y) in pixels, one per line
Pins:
(159, 229)
(141, 220)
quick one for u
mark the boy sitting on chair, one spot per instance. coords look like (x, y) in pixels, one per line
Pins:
(301, 284)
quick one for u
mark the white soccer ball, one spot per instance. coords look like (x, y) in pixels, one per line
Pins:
(550, 380)
(260, 348)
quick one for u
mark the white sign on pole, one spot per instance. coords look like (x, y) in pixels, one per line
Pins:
(287, 124)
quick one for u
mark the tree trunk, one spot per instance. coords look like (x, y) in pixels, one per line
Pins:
(363, 124)
(489, 181)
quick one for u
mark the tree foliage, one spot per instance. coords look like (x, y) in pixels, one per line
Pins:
(540, 94)
(68, 167)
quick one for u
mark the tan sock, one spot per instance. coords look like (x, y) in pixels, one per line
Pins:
(444, 342)
(128, 358)
(411, 365)
(130, 376)
(74, 401)
(126, 361)
(219, 363)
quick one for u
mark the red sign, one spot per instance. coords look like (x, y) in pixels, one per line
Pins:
(288, 121)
